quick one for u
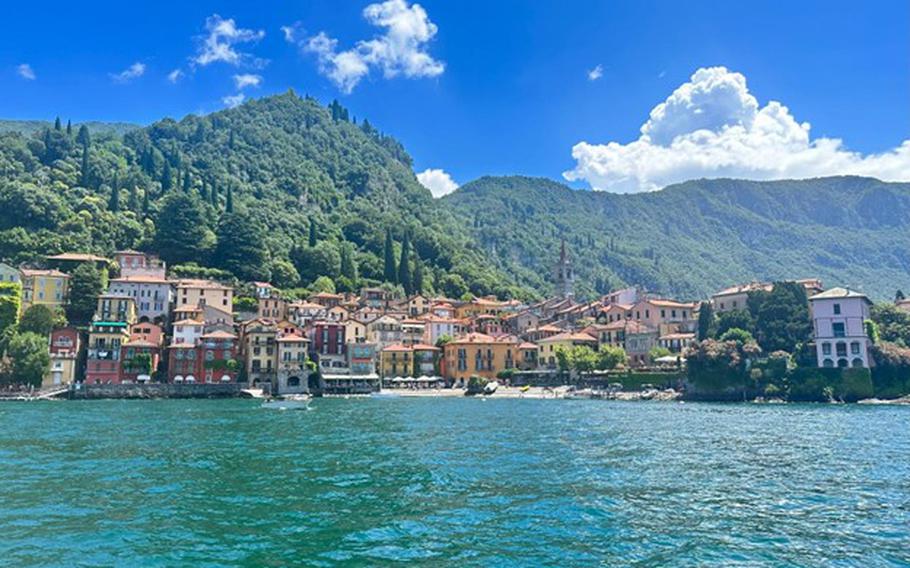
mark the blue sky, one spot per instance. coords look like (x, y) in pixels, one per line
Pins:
(482, 87)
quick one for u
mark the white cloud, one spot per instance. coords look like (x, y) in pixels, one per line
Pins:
(219, 44)
(400, 50)
(134, 71)
(247, 80)
(437, 181)
(711, 127)
(25, 71)
(175, 75)
(596, 73)
(232, 101)
(291, 32)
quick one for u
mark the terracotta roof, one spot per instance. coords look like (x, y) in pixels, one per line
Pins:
(181, 346)
(140, 343)
(218, 334)
(745, 288)
(327, 295)
(189, 322)
(397, 348)
(569, 336)
(292, 338)
(28, 272)
(78, 256)
(425, 347)
(527, 345)
(672, 304)
(472, 338)
(678, 336)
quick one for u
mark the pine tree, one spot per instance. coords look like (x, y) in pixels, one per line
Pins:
(404, 265)
(312, 239)
(58, 126)
(229, 202)
(390, 274)
(204, 191)
(69, 127)
(231, 140)
(114, 204)
(213, 195)
(187, 182)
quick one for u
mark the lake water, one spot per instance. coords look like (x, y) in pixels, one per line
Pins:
(453, 482)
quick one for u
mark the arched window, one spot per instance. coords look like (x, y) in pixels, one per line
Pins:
(294, 382)
(828, 363)
(857, 362)
(843, 363)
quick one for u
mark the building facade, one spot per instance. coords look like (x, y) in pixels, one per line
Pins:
(839, 328)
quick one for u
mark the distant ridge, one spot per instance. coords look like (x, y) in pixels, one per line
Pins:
(30, 126)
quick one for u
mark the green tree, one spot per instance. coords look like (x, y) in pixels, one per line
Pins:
(348, 268)
(657, 352)
(453, 286)
(609, 357)
(241, 247)
(41, 320)
(738, 335)
(167, 177)
(404, 265)
(84, 138)
(312, 236)
(58, 126)
(740, 319)
(390, 273)
(114, 203)
(782, 321)
(85, 171)
(10, 302)
(893, 324)
(418, 277)
(229, 201)
(705, 321)
(187, 182)
(30, 358)
(899, 296)
(313, 262)
(145, 203)
(182, 230)
(323, 285)
(86, 283)
(284, 275)
(69, 128)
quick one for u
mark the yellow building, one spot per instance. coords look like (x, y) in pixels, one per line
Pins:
(191, 292)
(396, 361)
(44, 287)
(113, 307)
(479, 354)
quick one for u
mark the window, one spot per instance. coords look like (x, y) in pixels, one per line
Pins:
(837, 309)
(854, 348)
(838, 329)
(841, 349)
(826, 348)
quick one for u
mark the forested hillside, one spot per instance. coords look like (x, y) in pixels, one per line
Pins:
(694, 238)
(280, 188)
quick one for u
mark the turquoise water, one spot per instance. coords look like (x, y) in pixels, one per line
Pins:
(453, 482)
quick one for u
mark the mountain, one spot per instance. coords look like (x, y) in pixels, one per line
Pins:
(238, 191)
(28, 127)
(693, 238)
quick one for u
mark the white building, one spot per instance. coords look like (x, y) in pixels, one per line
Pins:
(153, 295)
(839, 321)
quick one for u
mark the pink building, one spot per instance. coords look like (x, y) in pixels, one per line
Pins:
(839, 323)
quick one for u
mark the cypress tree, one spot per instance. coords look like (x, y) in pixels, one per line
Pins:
(312, 239)
(213, 194)
(145, 203)
(418, 277)
(705, 321)
(348, 268)
(404, 265)
(69, 127)
(84, 137)
(114, 204)
(84, 174)
(57, 125)
(167, 179)
(186, 181)
(389, 274)
(134, 198)
(231, 140)
(229, 202)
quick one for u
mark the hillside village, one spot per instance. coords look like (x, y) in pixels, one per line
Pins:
(146, 326)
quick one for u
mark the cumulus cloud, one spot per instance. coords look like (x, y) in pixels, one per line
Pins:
(232, 101)
(437, 181)
(401, 50)
(175, 75)
(221, 41)
(25, 71)
(596, 73)
(247, 80)
(712, 126)
(134, 71)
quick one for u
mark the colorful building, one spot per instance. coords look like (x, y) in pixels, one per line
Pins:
(153, 295)
(479, 354)
(64, 351)
(192, 292)
(838, 321)
(44, 287)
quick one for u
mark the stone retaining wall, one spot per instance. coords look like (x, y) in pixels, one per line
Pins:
(157, 390)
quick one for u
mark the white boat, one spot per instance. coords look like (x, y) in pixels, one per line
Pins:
(490, 387)
(288, 402)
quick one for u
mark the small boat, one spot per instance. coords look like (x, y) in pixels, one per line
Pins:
(287, 402)
(490, 387)
(384, 394)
